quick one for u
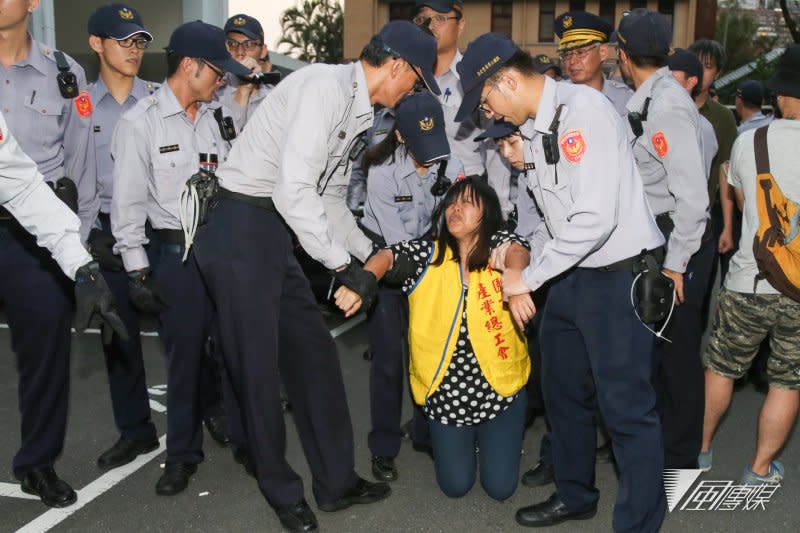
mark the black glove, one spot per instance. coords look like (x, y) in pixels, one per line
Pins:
(101, 246)
(67, 192)
(146, 294)
(93, 299)
(359, 280)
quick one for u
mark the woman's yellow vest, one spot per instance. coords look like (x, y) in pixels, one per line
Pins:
(435, 308)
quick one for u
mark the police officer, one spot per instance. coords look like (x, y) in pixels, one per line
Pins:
(244, 38)
(664, 128)
(408, 172)
(597, 222)
(291, 165)
(749, 99)
(547, 66)
(445, 18)
(47, 109)
(156, 148)
(382, 124)
(117, 36)
(583, 48)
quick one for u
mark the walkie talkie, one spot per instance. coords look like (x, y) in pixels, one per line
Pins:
(550, 140)
(442, 182)
(226, 127)
(635, 119)
(67, 80)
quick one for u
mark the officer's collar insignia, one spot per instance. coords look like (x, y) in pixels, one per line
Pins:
(125, 13)
(239, 21)
(567, 22)
(426, 124)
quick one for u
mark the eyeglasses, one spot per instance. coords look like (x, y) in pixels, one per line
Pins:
(139, 42)
(482, 104)
(579, 54)
(421, 20)
(220, 73)
(233, 45)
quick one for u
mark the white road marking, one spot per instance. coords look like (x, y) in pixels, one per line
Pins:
(157, 406)
(53, 517)
(161, 391)
(12, 490)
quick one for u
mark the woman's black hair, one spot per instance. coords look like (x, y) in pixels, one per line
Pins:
(478, 191)
(379, 153)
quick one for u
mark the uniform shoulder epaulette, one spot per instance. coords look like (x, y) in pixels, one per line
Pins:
(141, 107)
(617, 84)
(152, 86)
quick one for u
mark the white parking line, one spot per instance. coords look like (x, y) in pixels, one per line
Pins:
(12, 490)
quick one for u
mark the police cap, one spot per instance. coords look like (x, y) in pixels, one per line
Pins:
(643, 32)
(246, 25)
(484, 56)
(544, 63)
(440, 6)
(498, 129)
(405, 39)
(204, 41)
(116, 21)
(682, 60)
(420, 120)
(579, 28)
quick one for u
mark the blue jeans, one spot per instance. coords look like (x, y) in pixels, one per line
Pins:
(500, 443)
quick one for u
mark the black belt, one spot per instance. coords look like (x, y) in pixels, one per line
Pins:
(636, 263)
(170, 236)
(262, 202)
(371, 235)
(666, 225)
(4, 214)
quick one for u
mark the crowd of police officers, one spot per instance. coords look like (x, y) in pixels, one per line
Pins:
(606, 178)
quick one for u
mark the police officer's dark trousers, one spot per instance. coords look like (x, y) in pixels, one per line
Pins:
(184, 328)
(388, 323)
(38, 305)
(124, 362)
(681, 380)
(595, 352)
(272, 329)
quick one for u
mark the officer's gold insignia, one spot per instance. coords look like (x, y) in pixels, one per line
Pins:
(125, 13)
(545, 60)
(573, 145)
(239, 21)
(567, 22)
(426, 124)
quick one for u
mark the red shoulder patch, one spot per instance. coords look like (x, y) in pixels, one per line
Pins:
(1, 136)
(660, 143)
(573, 145)
(83, 104)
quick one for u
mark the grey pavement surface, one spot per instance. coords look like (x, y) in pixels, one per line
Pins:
(221, 498)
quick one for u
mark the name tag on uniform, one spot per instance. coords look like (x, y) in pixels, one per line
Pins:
(96, 129)
(168, 149)
(530, 166)
(398, 199)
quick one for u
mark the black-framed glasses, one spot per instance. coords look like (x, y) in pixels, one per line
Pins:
(233, 45)
(482, 103)
(219, 72)
(139, 42)
(422, 20)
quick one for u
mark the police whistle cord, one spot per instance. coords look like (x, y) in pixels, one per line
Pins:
(660, 332)
(189, 211)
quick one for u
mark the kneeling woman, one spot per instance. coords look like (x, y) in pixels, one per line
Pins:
(468, 357)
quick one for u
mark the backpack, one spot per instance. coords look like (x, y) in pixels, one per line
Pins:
(776, 246)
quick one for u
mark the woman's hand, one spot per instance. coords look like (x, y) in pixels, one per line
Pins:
(522, 309)
(347, 300)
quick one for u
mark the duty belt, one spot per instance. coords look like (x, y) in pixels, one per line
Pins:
(635, 264)
(262, 202)
(170, 236)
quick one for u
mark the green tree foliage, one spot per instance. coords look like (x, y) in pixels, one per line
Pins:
(791, 15)
(736, 30)
(314, 31)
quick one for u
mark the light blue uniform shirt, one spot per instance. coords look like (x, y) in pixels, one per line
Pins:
(670, 161)
(592, 200)
(756, 121)
(49, 128)
(618, 93)
(239, 113)
(399, 201)
(357, 188)
(107, 112)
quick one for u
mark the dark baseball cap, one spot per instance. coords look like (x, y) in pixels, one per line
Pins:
(204, 41)
(420, 120)
(682, 60)
(246, 25)
(643, 32)
(544, 63)
(440, 6)
(576, 29)
(498, 129)
(752, 92)
(116, 21)
(484, 56)
(405, 39)
(786, 81)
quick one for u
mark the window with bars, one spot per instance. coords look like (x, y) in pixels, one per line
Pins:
(667, 8)
(636, 4)
(501, 16)
(577, 5)
(607, 11)
(547, 16)
(402, 10)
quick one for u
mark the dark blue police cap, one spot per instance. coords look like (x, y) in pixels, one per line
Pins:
(204, 41)
(786, 81)
(484, 56)
(420, 120)
(245, 25)
(579, 28)
(643, 32)
(417, 46)
(116, 21)
(544, 63)
(683, 60)
(752, 92)
(441, 6)
(498, 129)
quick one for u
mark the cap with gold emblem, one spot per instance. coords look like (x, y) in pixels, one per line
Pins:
(420, 120)
(246, 25)
(117, 21)
(544, 63)
(576, 29)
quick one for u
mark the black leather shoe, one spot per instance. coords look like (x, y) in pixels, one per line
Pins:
(124, 451)
(541, 474)
(362, 492)
(605, 453)
(217, 426)
(175, 478)
(44, 483)
(383, 468)
(549, 513)
(242, 456)
(298, 517)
